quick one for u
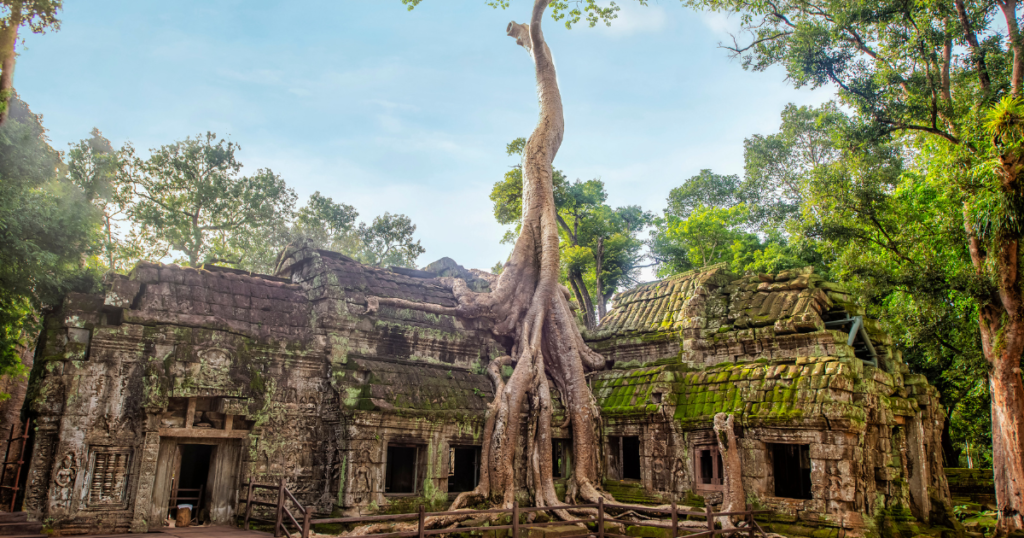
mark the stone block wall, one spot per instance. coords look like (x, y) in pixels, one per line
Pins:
(279, 376)
(765, 349)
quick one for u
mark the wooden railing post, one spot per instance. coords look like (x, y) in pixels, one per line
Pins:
(278, 528)
(248, 505)
(308, 511)
(711, 518)
(422, 520)
(515, 519)
(600, 518)
(675, 521)
(750, 519)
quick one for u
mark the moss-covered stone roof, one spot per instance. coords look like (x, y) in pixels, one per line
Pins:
(840, 391)
(674, 303)
(713, 298)
(631, 392)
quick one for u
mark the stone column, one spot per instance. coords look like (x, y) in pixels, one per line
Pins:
(144, 489)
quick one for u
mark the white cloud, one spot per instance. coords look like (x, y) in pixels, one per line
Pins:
(636, 19)
(722, 25)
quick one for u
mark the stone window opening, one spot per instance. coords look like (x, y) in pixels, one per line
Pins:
(404, 468)
(708, 468)
(463, 468)
(561, 458)
(791, 470)
(109, 474)
(624, 458)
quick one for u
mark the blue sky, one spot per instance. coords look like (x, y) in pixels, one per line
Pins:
(406, 112)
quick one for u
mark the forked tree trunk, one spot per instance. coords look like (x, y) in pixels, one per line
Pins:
(528, 304)
(579, 288)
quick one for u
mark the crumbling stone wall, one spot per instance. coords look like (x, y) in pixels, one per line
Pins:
(764, 349)
(285, 377)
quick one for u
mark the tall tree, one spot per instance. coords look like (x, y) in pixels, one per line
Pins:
(38, 16)
(193, 199)
(388, 240)
(47, 232)
(100, 171)
(894, 232)
(949, 75)
(611, 237)
(529, 306)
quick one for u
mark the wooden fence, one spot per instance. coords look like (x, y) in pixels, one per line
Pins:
(285, 518)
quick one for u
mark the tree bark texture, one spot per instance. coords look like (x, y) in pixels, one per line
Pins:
(733, 496)
(583, 297)
(528, 304)
(8, 39)
(1001, 321)
(598, 259)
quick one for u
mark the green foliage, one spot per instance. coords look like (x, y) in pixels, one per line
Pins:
(321, 212)
(709, 235)
(38, 15)
(193, 199)
(572, 11)
(388, 241)
(47, 230)
(713, 219)
(706, 189)
(99, 171)
(591, 232)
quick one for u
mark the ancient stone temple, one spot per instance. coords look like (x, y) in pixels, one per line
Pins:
(181, 385)
(834, 431)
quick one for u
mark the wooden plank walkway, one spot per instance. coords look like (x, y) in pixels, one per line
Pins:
(212, 531)
(208, 531)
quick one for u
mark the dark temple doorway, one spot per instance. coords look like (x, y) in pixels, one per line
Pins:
(190, 480)
(465, 469)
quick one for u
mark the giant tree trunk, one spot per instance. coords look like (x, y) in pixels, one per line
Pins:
(528, 304)
(1001, 321)
(1007, 451)
(1001, 342)
(8, 39)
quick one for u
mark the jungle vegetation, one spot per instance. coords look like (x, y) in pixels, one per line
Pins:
(906, 187)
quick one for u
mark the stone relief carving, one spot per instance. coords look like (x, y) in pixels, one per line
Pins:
(68, 471)
(65, 479)
(215, 364)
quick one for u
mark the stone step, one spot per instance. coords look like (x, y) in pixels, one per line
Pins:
(21, 528)
(13, 517)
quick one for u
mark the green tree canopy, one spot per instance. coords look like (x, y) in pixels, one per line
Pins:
(193, 199)
(388, 240)
(47, 231)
